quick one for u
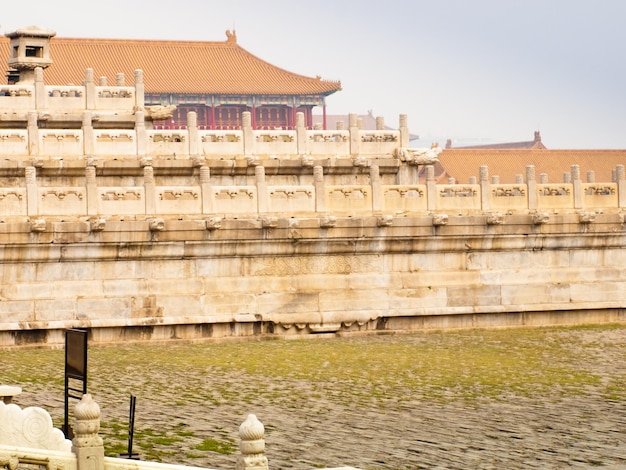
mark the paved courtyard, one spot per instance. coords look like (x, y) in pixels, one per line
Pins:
(514, 399)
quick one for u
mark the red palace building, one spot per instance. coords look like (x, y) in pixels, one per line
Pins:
(217, 80)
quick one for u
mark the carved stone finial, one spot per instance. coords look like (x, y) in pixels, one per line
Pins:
(252, 445)
(87, 417)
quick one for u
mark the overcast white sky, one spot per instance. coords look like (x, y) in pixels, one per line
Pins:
(474, 71)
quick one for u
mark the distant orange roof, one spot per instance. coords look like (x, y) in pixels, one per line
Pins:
(186, 67)
(528, 144)
(461, 164)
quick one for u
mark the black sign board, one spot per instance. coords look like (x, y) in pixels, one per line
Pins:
(75, 369)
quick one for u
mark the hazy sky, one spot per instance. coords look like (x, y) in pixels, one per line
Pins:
(469, 70)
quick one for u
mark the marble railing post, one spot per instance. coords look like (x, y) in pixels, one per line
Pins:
(404, 131)
(119, 79)
(261, 190)
(87, 445)
(431, 188)
(620, 179)
(252, 445)
(301, 134)
(90, 89)
(140, 91)
(192, 134)
(380, 123)
(149, 189)
(140, 133)
(31, 191)
(248, 134)
(40, 90)
(531, 184)
(89, 143)
(591, 176)
(33, 134)
(92, 190)
(355, 135)
(206, 190)
(377, 195)
(578, 187)
(320, 191)
(485, 188)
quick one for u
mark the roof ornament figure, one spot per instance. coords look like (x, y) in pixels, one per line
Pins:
(231, 36)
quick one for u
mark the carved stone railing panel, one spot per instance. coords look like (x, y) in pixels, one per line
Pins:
(13, 201)
(115, 142)
(321, 142)
(62, 201)
(235, 199)
(14, 142)
(217, 142)
(30, 427)
(458, 196)
(292, 199)
(275, 142)
(17, 98)
(61, 143)
(121, 200)
(115, 98)
(383, 142)
(600, 195)
(179, 200)
(348, 198)
(555, 196)
(509, 196)
(404, 198)
(65, 98)
(163, 142)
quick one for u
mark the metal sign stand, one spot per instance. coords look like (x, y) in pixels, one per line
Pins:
(131, 431)
(75, 369)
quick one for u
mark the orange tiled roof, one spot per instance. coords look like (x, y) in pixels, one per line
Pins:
(461, 164)
(191, 67)
(528, 144)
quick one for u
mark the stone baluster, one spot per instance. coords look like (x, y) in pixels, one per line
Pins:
(249, 146)
(567, 177)
(519, 179)
(531, 184)
(320, 190)
(620, 179)
(431, 188)
(33, 134)
(92, 188)
(140, 90)
(301, 134)
(90, 89)
(377, 191)
(578, 187)
(252, 445)
(119, 79)
(102, 81)
(208, 199)
(591, 176)
(404, 131)
(192, 134)
(149, 189)
(380, 123)
(89, 141)
(472, 180)
(40, 90)
(87, 444)
(31, 191)
(543, 178)
(355, 134)
(485, 188)
(261, 189)
(140, 133)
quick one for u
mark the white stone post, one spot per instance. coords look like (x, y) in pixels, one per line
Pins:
(377, 195)
(620, 178)
(149, 189)
(485, 188)
(40, 90)
(531, 184)
(431, 188)
(355, 134)
(140, 133)
(89, 143)
(248, 134)
(380, 123)
(206, 190)
(252, 445)
(33, 134)
(31, 191)
(92, 190)
(578, 187)
(261, 190)
(404, 131)
(192, 134)
(90, 89)
(320, 191)
(87, 444)
(301, 133)
(119, 79)
(140, 91)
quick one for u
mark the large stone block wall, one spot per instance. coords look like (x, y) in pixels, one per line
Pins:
(134, 281)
